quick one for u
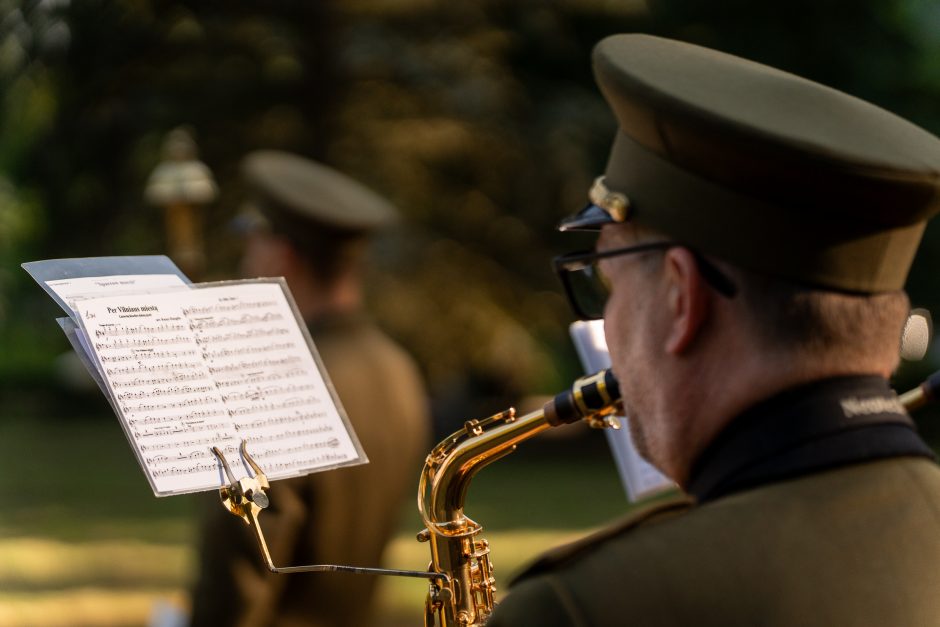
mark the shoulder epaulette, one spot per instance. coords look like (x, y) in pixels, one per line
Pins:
(641, 515)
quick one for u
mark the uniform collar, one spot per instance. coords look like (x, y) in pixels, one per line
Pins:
(811, 428)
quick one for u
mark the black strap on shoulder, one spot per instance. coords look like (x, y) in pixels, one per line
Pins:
(822, 425)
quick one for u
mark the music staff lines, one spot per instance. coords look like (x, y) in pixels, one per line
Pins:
(179, 471)
(147, 355)
(291, 402)
(201, 453)
(210, 441)
(260, 394)
(176, 378)
(173, 391)
(172, 430)
(162, 420)
(143, 343)
(247, 350)
(277, 420)
(181, 404)
(141, 368)
(272, 466)
(265, 453)
(221, 308)
(118, 331)
(254, 365)
(261, 378)
(201, 324)
(241, 336)
(287, 435)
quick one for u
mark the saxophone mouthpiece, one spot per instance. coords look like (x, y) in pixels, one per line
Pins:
(588, 396)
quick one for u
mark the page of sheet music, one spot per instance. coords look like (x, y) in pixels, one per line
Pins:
(640, 478)
(212, 367)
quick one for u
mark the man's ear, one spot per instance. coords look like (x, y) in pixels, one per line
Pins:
(688, 299)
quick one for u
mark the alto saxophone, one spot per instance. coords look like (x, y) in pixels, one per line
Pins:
(464, 595)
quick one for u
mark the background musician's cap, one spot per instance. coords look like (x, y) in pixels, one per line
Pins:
(294, 194)
(764, 169)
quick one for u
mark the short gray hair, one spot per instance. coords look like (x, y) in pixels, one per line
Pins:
(819, 321)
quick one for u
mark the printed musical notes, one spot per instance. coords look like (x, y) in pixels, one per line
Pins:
(213, 366)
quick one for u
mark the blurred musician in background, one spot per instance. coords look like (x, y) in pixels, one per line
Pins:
(310, 224)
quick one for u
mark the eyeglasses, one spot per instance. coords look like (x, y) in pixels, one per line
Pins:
(588, 289)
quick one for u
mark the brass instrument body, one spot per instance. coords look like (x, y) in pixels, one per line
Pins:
(467, 598)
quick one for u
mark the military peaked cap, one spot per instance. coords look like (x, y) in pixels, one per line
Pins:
(761, 168)
(296, 194)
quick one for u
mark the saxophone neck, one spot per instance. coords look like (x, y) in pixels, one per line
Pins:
(451, 466)
(453, 463)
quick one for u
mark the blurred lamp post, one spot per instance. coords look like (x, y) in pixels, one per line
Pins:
(180, 184)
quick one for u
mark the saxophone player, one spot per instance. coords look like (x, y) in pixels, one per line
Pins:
(755, 231)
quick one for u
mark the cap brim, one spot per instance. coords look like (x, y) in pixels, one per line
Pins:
(591, 218)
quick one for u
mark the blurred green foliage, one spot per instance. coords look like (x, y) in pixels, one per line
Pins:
(480, 120)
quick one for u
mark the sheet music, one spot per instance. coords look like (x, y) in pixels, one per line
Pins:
(640, 478)
(213, 366)
(76, 289)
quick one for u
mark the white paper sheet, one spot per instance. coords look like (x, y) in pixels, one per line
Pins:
(213, 366)
(82, 288)
(639, 477)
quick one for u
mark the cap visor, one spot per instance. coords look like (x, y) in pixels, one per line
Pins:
(591, 218)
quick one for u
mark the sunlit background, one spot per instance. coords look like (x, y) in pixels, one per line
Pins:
(480, 120)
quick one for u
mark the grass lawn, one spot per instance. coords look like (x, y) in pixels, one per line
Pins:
(83, 541)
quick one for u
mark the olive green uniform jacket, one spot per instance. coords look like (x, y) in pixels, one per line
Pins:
(343, 516)
(804, 541)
